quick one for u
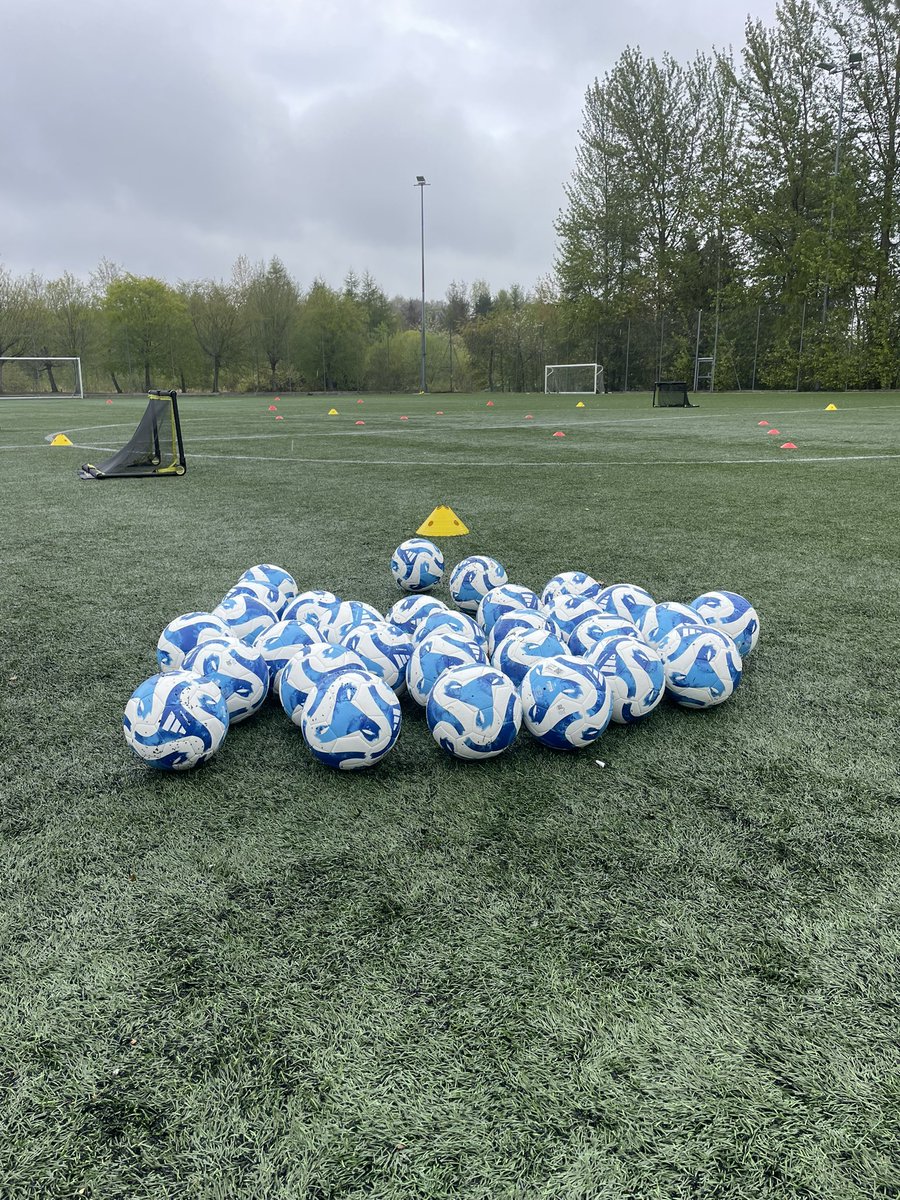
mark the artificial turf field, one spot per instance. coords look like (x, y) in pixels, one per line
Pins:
(534, 978)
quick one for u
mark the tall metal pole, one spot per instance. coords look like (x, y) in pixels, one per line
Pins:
(422, 184)
(853, 61)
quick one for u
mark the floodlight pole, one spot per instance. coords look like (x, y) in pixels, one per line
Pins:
(421, 183)
(853, 61)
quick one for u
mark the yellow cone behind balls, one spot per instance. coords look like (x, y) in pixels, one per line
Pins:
(442, 522)
(61, 440)
(831, 408)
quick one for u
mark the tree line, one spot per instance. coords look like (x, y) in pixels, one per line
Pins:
(733, 217)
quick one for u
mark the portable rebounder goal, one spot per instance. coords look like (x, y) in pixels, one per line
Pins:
(155, 449)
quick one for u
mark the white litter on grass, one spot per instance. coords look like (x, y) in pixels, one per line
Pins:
(599, 762)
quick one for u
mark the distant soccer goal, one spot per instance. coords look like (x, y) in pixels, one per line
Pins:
(23, 377)
(573, 379)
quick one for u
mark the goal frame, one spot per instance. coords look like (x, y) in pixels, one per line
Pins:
(77, 394)
(596, 368)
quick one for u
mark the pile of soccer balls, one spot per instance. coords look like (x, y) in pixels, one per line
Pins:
(563, 663)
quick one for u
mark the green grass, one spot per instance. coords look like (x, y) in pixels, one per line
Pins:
(529, 979)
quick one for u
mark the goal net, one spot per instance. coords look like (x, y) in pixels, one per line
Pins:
(155, 448)
(573, 379)
(41, 375)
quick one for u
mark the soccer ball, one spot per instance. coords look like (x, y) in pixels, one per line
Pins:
(435, 655)
(732, 614)
(526, 621)
(509, 597)
(445, 620)
(345, 616)
(517, 654)
(565, 703)
(351, 720)
(417, 565)
(474, 712)
(625, 600)
(246, 616)
(303, 673)
(384, 649)
(180, 637)
(309, 607)
(175, 721)
(262, 591)
(635, 676)
(274, 577)
(473, 577)
(238, 671)
(570, 583)
(411, 610)
(659, 620)
(283, 641)
(570, 611)
(703, 665)
(589, 633)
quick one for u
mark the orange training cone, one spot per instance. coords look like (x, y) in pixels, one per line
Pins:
(442, 522)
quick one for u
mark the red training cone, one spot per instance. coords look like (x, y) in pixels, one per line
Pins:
(787, 446)
(559, 433)
(529, 417)
(359, 422)
(490, 404)
(279, 418)
(109, 402)
(404, 418)
(773, 432)
(272, 408)
(439, 413)
(762, 422)
(360, 402)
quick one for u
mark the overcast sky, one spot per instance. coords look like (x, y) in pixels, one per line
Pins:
(170, 136)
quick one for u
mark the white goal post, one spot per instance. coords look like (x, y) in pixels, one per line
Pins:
(573, 379)
(35, 375)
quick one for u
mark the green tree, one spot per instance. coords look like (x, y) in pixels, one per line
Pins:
(217, 323)
(271, 301)
(144, 317)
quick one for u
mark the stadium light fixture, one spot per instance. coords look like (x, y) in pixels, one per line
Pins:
(422, 183)
(853, 62)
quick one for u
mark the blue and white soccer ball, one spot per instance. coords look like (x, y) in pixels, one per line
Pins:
(280, 643)
(703, 665)
(274, 577)
(182, 634)
(625, 600)
(525, 621)
(262, 591)
(303, 673)
(569, 611)
(662, 618)
(385, 650)
(311, 607)
(565, 703)
(508, 598)
(587, 635)
(474, 712)
(239, 672)
(448, 620)
(472, 579)
(410, 611)
(175, 721)
(437, 654)
(570, 583)
(417, 565)
(246, 616)
(732, 614)
(634, 674)
(344, 617)
(351, 720)
(518, 653)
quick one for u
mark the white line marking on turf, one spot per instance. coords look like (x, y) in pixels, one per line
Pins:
(480, 463)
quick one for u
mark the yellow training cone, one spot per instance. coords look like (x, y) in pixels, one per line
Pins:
(332, 412)
(442, 522)
(831, 408)
(60, 440)
(580, 404)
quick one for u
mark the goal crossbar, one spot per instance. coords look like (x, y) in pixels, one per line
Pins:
(47, 361)
(573, 379)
